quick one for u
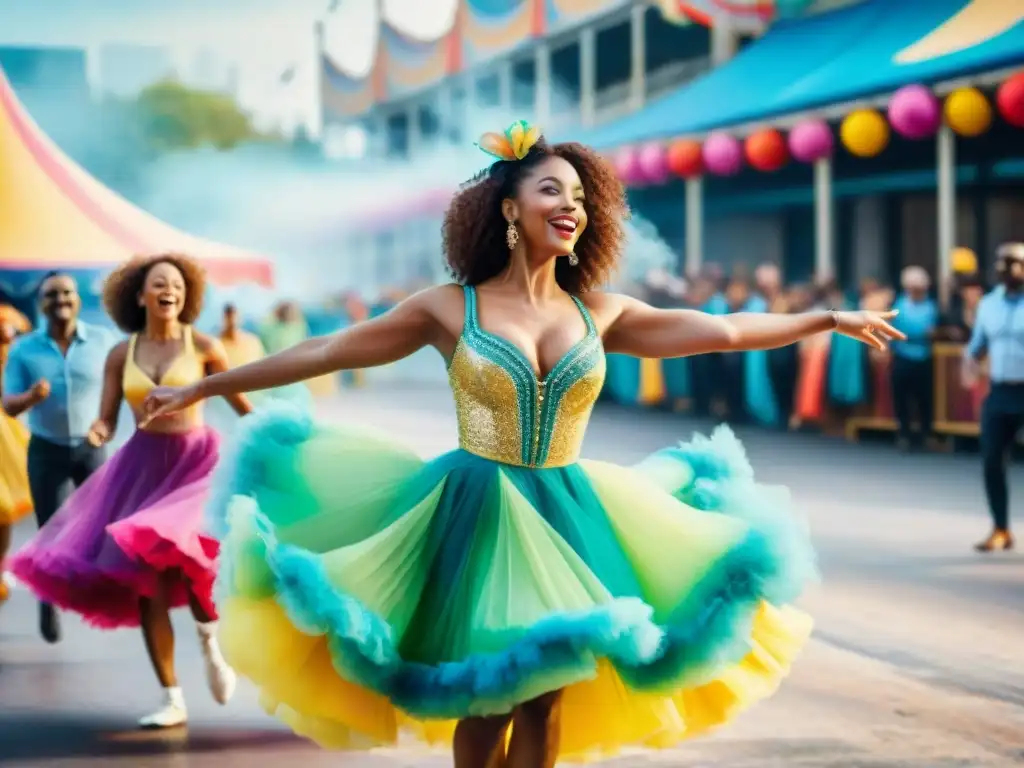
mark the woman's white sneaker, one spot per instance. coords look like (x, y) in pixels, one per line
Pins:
(220, 676)
(171, 714)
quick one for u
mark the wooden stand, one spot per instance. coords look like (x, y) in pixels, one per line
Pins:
(957, 407)
(880, 416)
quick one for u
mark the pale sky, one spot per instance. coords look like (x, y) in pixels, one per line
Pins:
(264, 37)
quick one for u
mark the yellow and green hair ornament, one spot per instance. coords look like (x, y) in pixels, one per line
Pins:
(514, 144)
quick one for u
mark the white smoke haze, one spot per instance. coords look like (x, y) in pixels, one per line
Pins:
(306, 214)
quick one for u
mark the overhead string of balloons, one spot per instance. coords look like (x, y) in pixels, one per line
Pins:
(914, 112)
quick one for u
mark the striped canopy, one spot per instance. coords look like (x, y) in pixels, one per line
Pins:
(54, 214)
(739, 13)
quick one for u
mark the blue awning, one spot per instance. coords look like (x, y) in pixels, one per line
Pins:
(857, 52)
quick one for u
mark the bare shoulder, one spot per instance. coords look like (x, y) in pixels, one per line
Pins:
(206, 344)
(438, 297)
(442, 304)
(118, 354)
(604, 307)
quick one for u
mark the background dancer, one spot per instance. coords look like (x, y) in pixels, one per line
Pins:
(15, 499)
(587, 604)
(127, 546)
(999, 334)
(56, 374)
(240, 346)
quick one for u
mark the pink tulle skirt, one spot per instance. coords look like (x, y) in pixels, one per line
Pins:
(136, 518)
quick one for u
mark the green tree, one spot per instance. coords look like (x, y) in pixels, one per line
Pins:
(174, 117)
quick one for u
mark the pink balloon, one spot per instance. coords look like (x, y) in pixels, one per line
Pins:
(914, 112)
(723, 154)
(653, 164)
(627, 165)
(811, 141)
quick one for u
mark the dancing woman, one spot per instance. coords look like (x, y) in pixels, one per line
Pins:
(127, 546)
(508, 582)
(15, 498)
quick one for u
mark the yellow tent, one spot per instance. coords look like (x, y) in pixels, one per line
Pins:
(54, 214)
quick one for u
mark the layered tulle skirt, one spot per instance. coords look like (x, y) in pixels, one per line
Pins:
(15, 498)
(138, 519)
(219, 415)
(368, 592)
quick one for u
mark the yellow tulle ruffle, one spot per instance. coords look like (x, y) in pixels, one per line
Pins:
(299, 684)
(15, 499)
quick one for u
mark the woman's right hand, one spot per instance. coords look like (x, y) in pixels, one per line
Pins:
(164, 401)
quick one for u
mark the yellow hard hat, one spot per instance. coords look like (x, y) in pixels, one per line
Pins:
(964, 261)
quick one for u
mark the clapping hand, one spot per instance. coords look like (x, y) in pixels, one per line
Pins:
(869, 327)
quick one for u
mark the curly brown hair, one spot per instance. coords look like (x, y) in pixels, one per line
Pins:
(474, 228)
(122, 288)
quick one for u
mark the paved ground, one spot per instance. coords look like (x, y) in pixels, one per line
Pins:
(918, 660)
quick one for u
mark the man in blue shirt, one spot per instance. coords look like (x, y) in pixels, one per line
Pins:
(55, 373)
(999, 333)
(912, 368)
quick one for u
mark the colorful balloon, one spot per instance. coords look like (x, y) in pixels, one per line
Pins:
(914, 112)
(723, 154)
(811, 141)
(652, 164)
(967, 112)
(766, 150)
(627, 165)
(1010, 100)
(864, 133)
(685, 158)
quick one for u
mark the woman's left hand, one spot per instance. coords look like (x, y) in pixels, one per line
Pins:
(164, 401)
(869, 327)
(99, 433)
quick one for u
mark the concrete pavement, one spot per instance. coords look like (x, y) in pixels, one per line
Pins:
(917, 660)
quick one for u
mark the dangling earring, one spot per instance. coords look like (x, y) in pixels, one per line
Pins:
(511, 235)
(574, 260)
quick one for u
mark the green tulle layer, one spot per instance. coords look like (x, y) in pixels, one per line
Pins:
(460, 586)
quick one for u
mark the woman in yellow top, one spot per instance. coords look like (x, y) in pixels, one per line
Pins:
(509, 583)
(128, 545)
(15, 499)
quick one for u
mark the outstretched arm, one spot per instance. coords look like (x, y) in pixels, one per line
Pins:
(640, 330)
(408, 327)
(394, 335)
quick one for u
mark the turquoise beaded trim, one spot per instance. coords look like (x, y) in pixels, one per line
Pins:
(577, 363)
(536, 417)
(506, 355)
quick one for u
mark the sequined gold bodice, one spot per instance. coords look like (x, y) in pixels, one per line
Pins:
(505, 413)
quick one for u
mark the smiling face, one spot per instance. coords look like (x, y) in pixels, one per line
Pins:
(59, 299)
(548, 209)
(163, 292)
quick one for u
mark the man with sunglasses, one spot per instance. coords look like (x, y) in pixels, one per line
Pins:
(999, 333)
(55, 373)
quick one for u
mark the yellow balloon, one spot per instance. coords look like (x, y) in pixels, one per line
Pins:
(864, 132)
(964, 261)
(968, 112)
